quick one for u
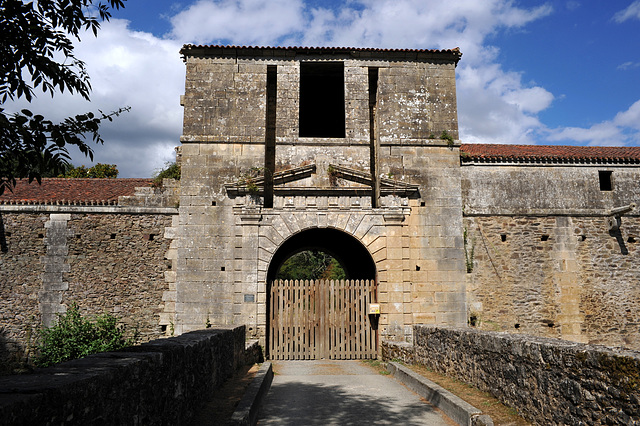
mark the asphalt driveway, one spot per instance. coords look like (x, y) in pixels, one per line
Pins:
(328, 392)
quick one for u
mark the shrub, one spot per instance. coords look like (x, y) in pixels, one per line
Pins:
(170, 171)
(74, 336)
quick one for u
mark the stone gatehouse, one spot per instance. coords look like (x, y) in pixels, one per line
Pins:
(355, 152)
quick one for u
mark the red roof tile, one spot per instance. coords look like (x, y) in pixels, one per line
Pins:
(549, 153)
(72, 191)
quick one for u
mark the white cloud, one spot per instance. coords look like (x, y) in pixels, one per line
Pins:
(628, 66)
(396, 24)
(631, 12)
(127, 68)
(623, 129)
(250, 22)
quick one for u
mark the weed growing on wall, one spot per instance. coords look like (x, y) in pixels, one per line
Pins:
(74, 336)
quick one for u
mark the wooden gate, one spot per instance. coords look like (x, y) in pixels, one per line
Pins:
(321, 319)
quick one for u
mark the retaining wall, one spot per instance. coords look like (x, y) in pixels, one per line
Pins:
(162, 382)
(549, 381)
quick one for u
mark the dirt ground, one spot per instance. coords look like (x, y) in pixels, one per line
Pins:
(500, 413)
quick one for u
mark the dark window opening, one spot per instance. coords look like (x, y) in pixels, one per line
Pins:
(606, 183)
(222, 268)
(322, 112)
(544, 238)
(503, 237)
(213, 203)
(417, 268)
(163, 328)
(113, 236)
(631, 240)
(40, 235)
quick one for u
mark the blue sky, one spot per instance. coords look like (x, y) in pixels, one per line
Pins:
(534, 72)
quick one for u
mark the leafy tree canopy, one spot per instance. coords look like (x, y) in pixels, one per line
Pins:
(311, 265)
(98, 171)
(37, 52)
(171, 170)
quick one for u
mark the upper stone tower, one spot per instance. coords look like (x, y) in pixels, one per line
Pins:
(353, 151)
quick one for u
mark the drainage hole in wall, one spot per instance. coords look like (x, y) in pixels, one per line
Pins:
(473, 320)
(422, 204)
(417, 268)
(222, 268)
(544, 238)
(550, 325)
(163, 328)
(113, 236)
(583, 237)
(503, 237)
(7, 234)
(631, 240)
(40, 235)
(213, 203)
(516, 325)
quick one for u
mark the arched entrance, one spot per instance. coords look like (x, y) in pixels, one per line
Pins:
(323, 319)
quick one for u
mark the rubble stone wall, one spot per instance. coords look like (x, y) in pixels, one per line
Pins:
(113, 263)
(162, 382)
(549, 381)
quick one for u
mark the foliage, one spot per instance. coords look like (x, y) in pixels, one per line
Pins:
(171, 171)
(333, 175)
(447, 137)
(311, 265)
(249, 179)
(74, 336)
(98, 171)
(37, 52)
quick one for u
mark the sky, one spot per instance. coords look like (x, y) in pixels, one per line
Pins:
(532, 72)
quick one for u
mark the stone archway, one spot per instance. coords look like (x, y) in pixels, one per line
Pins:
(322, 319)
(350, 252)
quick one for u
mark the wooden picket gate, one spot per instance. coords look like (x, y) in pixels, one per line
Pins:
(321, 319)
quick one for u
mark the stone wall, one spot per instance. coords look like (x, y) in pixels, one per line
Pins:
(556, 276)
(21, 249)
(549, 381)
(543, 259)
(158, 383)
(103, 262)
(228, 240)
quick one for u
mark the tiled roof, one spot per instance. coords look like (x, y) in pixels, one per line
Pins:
(549, 154)
(290, 50)
(72, 191)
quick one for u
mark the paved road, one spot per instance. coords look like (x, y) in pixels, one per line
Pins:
(342, 393)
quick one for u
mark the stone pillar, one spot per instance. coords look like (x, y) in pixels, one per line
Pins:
(55, 266)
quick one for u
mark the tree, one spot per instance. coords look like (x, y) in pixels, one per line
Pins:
(171, 170)
(98, 171)
(311, 265)
(37, 52)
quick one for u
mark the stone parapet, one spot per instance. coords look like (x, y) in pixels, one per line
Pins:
(549, 381)
(161, 382)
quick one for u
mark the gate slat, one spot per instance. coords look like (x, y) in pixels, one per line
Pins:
(321, 319)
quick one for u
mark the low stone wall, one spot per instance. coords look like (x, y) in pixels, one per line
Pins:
(549, 381)
(160, 382)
